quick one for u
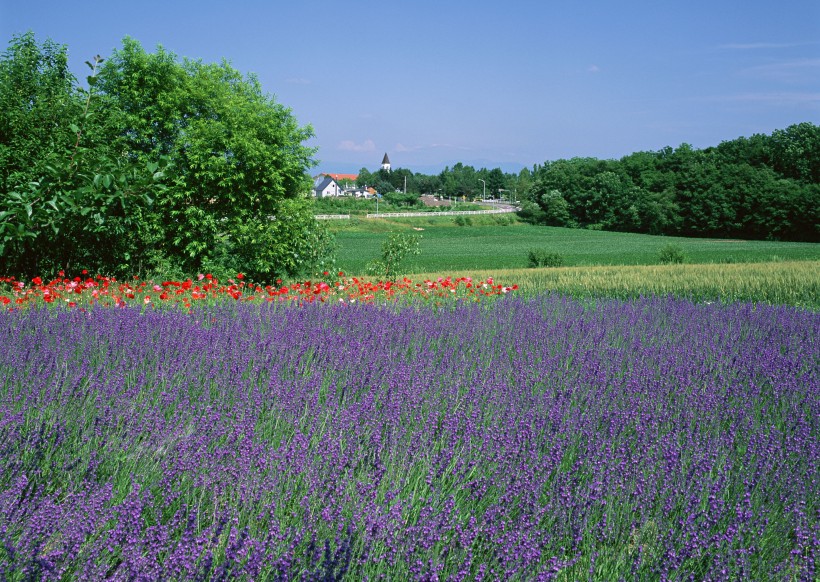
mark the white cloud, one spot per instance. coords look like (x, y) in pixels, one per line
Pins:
(752, 46)
(400, 147)
(347, 145)
(776, 98)
(594, 69)
(788, 71)
(756, 45)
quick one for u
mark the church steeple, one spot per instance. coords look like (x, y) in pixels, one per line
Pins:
(386, 162)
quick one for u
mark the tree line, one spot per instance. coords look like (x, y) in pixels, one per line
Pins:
(159, 165)
(761, 187)
(456, 182)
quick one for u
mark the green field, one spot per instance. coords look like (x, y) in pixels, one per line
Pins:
(446, 247)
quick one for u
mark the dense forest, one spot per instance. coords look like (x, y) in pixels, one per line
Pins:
(761, 187)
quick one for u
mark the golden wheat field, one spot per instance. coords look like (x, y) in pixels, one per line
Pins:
(788, 282)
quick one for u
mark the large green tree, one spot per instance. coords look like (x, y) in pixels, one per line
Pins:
(238, 155)
(67, 196)
(235, 182)
(38, 101)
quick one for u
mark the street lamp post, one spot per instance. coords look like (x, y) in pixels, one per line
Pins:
(484, 192)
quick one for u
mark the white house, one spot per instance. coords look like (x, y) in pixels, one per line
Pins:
(359, 192)
(325, 186)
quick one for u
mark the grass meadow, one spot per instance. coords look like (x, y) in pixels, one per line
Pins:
(488, 245)
(613, 419)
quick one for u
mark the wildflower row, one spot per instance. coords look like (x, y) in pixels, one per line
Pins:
(109, 292)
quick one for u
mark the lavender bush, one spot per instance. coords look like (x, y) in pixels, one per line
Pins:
(540, 438)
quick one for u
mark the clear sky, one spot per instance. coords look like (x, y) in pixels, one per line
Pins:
(484, 82)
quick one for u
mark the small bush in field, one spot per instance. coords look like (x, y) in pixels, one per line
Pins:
(671, 254)
(544, 258)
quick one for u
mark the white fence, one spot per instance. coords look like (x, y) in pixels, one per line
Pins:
(442, 213)
(422, 214)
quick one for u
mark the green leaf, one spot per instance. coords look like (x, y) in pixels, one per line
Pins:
(74, 127)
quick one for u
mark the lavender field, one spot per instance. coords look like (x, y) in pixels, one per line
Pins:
(532, 438)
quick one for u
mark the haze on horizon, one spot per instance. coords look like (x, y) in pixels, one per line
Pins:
(434, 83)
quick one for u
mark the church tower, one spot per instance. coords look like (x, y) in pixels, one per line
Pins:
(386, 162)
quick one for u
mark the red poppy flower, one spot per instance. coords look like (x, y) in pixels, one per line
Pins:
(37, 281)
(240, 276)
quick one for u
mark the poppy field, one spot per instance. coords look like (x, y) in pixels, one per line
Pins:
(211, 430)
(87, 291)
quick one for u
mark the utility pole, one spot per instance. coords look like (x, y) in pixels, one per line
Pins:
(484, 192)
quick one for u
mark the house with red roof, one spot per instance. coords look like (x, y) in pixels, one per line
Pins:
(340, 177)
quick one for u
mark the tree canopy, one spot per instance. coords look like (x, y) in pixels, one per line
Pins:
(763, 187)
(202, 169)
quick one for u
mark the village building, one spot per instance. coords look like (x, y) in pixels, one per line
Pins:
(327, 185)
(324, 187)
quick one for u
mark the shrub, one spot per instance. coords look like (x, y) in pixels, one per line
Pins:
(394, 250)
(530, 212)
(671, 254)
(544, 258)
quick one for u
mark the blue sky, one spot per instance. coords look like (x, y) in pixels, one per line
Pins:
(488, 83)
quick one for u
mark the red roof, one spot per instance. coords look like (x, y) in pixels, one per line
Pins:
(337, 177)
